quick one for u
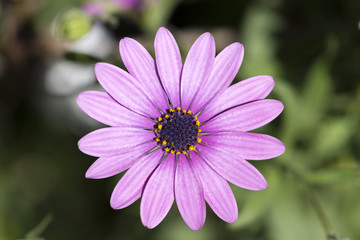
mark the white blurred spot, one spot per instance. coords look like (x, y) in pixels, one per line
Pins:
(98, 42)
(66, 77)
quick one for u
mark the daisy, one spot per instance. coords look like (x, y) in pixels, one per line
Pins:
(179, 128)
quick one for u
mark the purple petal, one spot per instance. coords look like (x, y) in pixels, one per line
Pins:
(158, 195)
(131, 185)
(125, 89)
(93, 9)
(252, 146)
(113, 141)
(142, 67)
(197, 68)
(226, 66)
(109, 166)
(217, 191)
(248, 90)
(169, 64)
(105, 109)
(245, 117)
(189, 194)
(233, 168)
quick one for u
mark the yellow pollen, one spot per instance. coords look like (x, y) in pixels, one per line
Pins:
(156, 131)
(167, 149)
(189, 112)
(198, 140)
(195, 117)
(191, 148)
(159, 119)
(164, 142)
(184, 152)
(184, 111)
(199, 130)
(197, 123)
(172, 151)
(178, 108)
(160, 126)
(157, 139)
(177, 153)
(172, 110)
(166, 116)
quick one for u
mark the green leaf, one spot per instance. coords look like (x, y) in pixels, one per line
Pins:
(257, 203)
(332, 136)
(156, 14)
(291, 116)
(316, 94)
(291, 215)
(335, 176)
(259, 26)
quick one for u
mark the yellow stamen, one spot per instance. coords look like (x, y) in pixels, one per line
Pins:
(178, 108)
(157, 139)
(156, 131)
(172, 110)
(167, 149)
(191, 148)
(195, 117)
(166, 116)
(164, 142)
(198, 140)
(172, 151)
(184, 111)
(159, 119)
(178, 153)
(199, 130)
(189, 112)
(184, 152)
(197, 123)
(160, 126)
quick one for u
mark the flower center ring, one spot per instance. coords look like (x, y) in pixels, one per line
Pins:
(177, 131)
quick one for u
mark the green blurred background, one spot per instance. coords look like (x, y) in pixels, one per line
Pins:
(48, 49)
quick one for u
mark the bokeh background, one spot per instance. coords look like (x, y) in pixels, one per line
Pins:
(48, 50)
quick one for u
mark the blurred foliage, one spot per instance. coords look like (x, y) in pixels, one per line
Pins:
(311, 50)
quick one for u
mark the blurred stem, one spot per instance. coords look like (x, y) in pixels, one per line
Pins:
(40, 228)
(315, 202)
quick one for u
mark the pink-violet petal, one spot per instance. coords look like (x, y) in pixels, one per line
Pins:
(169, 64)
(109, 166)
(248, 90)
(131, 185)
(245, 117)
(158, 195)
(125, 89)
(102, 107)
(252, 146)
(226, 66)
(111, 141)
(233, 168)
(197, 68)
(217, 191)
(142, 67)
(189, 194)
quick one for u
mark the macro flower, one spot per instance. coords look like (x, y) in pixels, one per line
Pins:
(179, 128)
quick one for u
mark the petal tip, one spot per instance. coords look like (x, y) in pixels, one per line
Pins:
(91, 174)
(114, 203)
(80, 99)
(162, 29)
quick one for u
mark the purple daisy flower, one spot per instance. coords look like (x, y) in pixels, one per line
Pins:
(179, 128)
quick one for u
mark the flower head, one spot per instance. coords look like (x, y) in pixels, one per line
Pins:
(179, 128)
